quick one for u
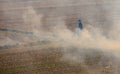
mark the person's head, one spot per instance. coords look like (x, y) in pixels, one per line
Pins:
(79, 20)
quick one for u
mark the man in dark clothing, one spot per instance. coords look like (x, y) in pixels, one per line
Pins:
(80, 25)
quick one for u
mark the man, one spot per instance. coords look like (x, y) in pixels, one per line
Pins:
(80, 25)
(79, 28)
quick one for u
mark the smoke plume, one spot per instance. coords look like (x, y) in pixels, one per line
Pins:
(100, 35)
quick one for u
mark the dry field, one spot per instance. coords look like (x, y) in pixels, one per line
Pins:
(36, 60)
(46, 58)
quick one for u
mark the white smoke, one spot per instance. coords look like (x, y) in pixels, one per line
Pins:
(77, 44)
(91, 38)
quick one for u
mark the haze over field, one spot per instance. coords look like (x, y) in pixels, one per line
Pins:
(55, 21)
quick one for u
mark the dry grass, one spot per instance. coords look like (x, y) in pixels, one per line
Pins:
(47, 61)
